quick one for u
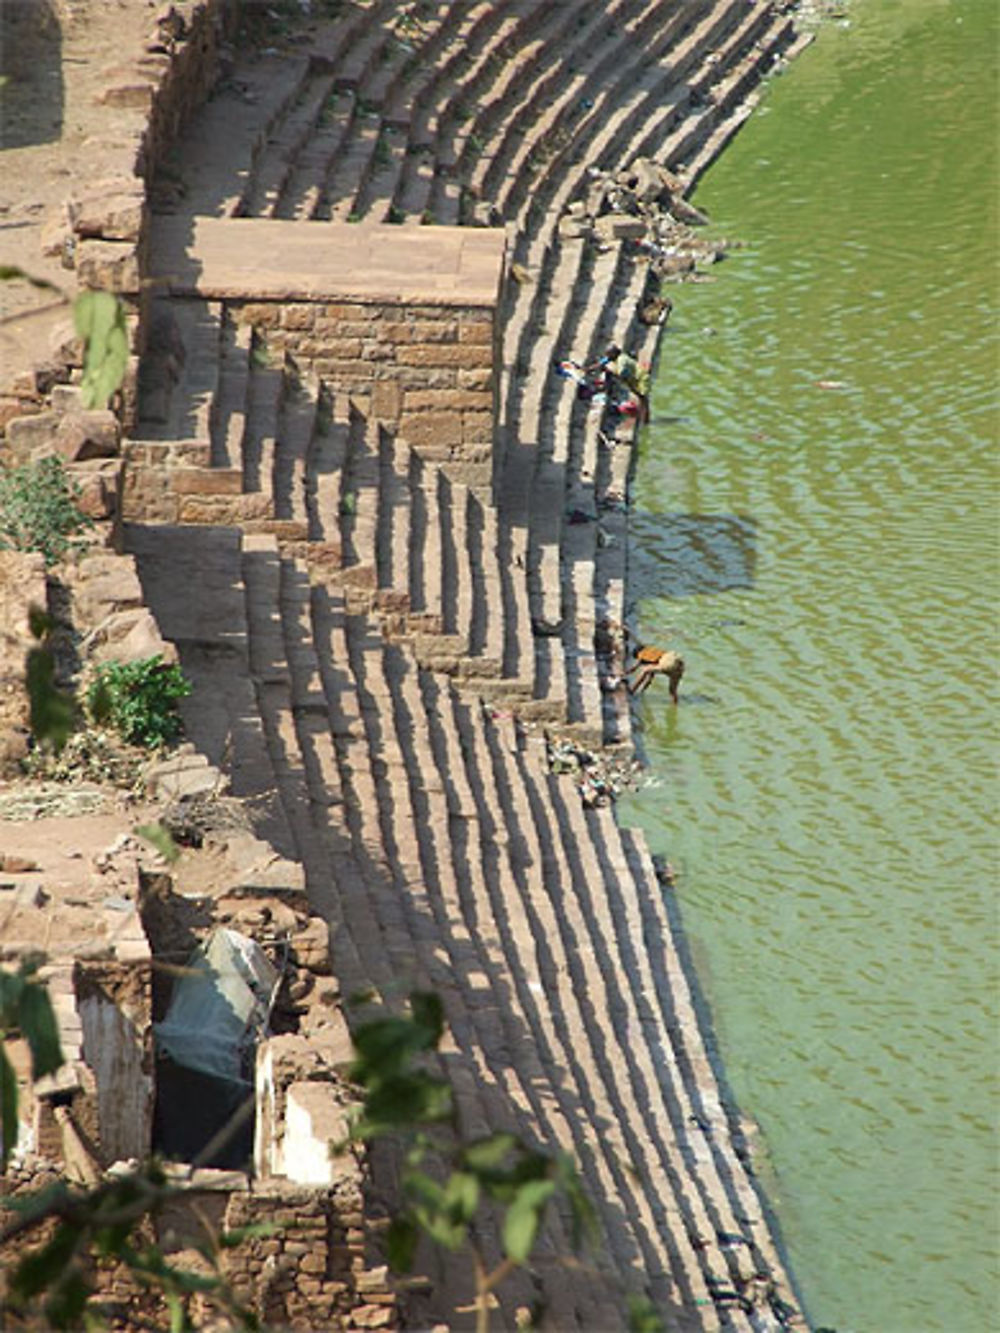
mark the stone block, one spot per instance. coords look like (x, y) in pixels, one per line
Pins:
(477, 427)
(130, 636)
(350, 310)
(261, 314)
(619, 227)
(111, 266)
(477, 331)
(431, 428)
(481, 380)
(147, 497)
(133, 94)
(437, 400)
(387, 400)
(335, 329)
(463, 355)
(298, 316)
(31, 436)
(100, 488)
(207, 481)
(311, 947)
(115, 211)
(88, 434)
(420, 331)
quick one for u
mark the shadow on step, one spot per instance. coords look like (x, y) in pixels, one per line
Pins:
(192, 583)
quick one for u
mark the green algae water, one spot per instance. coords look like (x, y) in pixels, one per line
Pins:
(815, 527)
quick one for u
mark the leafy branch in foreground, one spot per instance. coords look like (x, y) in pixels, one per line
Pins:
(106, 1223)
(403, 1100)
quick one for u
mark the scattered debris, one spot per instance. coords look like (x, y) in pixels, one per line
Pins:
(601, 776)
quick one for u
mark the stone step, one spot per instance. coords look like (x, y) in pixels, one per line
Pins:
(674, 138)
(358, 508)
(394, 527)
(743, 63)
(294, 448)
(519, 122)
(460, 28)
(228, 131)
(229, 406)
(306, 192)
(571, 1003)
(179, 381)
(212, 635)
(572, 878)
(264, 396)
(273, 171)
(324, 476)
(465, 842)
(604, 138)
(350, 167)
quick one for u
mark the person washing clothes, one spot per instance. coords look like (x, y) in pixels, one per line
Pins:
(635, 375)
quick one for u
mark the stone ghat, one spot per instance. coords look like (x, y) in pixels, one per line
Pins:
(390, 548)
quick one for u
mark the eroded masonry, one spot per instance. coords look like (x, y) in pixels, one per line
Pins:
(343, 488)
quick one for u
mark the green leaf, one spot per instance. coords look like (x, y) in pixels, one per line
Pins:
(100, 321)
(68, 1300)
(178, 1318)
(487, 1154)
(41, 1269)
(524, 1216)
(37, 1022)
(428, 1014)
(401, 1244)
(159, 836)
(461, 1195)
(8, 1109)
(403, 1102)
(582, 1211)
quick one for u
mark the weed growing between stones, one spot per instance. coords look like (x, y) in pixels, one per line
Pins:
(39, 512)
(139, 700)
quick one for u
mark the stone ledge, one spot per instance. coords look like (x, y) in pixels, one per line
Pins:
(264, 259)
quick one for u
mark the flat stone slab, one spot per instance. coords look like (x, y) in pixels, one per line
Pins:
(267, 259)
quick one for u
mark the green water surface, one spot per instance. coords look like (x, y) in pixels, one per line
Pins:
(816, 528)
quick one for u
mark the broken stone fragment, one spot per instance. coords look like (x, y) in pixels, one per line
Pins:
(113, 209)
(99, 482)
(311, 947)
(30, 436)
(16, 865)
(111, 266)
(88, 434)
(614, 227)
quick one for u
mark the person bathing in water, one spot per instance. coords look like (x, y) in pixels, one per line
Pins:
(650, 662)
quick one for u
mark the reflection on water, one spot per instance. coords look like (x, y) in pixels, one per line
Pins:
(694, 553)
(831, 815)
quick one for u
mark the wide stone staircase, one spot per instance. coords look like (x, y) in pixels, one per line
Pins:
(380, 649)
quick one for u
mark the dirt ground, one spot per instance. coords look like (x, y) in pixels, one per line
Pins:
(56, 57)
(56, 136)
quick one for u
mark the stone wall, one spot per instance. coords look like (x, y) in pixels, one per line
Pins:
(427, 370)
(103, 230)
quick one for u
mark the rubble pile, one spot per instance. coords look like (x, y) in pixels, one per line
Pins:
(643, 204)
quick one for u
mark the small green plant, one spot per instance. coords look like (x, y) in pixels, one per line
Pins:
(139, 700)
(383, 150)
(395, 215)
(445, 1180)
(39, 511)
